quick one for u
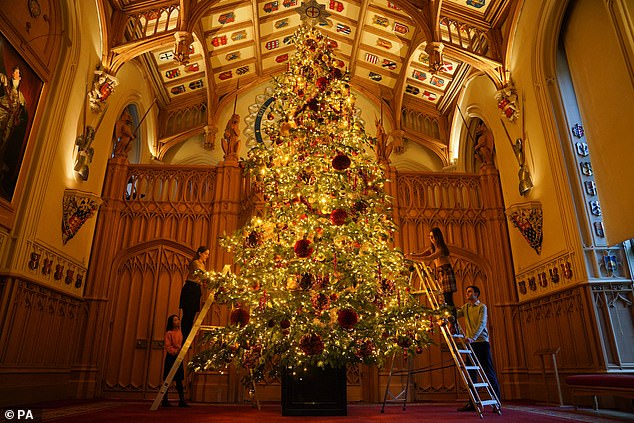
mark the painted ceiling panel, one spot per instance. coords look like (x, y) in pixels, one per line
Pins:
(374, 39)
(226, 19)
(276, 7)
(232, 56)
(384, 43)
(476, 5)
(229, 38)
(234, 73)
(271, 26)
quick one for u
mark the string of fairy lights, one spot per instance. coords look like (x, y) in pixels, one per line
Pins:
(318, 282)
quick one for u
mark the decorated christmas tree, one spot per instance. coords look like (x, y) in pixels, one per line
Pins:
(318, 281)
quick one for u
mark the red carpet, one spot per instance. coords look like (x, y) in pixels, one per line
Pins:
(139, 412)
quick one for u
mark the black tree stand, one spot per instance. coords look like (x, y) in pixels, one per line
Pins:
(314, 392)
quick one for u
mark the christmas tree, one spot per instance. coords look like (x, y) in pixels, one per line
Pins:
(318, 282)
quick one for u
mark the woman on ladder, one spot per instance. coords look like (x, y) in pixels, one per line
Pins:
(438, 253)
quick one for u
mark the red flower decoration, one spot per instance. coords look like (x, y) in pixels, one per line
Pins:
(285, 324)
(347, 318)
(321, 82)
(341, 162)
(311, 344)
(302, 248)
(338, 217)
(240, 316)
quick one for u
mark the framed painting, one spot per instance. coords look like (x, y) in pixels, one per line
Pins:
(20, 90)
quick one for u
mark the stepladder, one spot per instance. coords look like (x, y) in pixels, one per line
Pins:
(479, 388)
(196, 328)
(481, 394)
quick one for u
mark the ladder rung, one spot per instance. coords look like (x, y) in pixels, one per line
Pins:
(458, 335)
(480, 385)
(489, 402)
(464, 351)
(209, 327)
(472, 367)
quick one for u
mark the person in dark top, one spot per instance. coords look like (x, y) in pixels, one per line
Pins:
(191, 291)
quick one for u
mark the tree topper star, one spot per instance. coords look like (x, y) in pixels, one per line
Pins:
(314, 12)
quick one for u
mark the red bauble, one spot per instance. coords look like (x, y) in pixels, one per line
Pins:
(285, 324)
(347, 318)
(240, 316)
(302, 248)
(338, 217)
(311, 344)
(336, 73)
(341, 162)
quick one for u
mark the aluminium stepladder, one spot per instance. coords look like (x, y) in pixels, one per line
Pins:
(197, 326)
(481, 393)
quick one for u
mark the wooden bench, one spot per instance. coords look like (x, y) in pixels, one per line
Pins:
(601, 384)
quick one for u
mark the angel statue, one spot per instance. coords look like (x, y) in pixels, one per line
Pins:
(484, 143)
(230, 141)
(383, 149)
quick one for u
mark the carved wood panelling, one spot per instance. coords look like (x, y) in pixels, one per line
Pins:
(555, 321)
(548, 277)
(167, 202)
(613, 303)
(464, 36)
(147, 290)
(456, 203)
(50, 268)
(44, 327)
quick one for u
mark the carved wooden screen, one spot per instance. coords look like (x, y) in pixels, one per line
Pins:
(147, 286)
(456, 204)
(162, 213)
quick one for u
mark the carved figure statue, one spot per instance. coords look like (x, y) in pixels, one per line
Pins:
(484, 143)
(230, 141)
(124, 135)
(383, 149)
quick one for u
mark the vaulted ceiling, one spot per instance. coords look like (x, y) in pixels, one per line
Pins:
(408, 54)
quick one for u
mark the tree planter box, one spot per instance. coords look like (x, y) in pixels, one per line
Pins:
(315, 392)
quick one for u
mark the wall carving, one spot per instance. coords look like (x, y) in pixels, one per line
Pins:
(48, 267)
(49, 322)
(547, 277)
(554, 321)
(613, 302)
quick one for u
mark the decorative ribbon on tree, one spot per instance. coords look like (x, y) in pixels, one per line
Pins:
(78, 207)
(528, 219)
